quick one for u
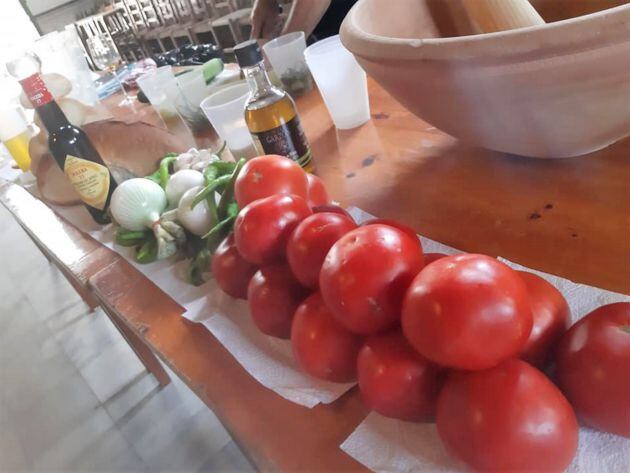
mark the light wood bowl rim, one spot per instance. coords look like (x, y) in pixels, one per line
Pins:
(596, 30)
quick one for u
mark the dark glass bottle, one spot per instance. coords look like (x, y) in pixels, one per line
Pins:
(68, 144)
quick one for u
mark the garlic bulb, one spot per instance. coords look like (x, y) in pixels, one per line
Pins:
(180, 182)
(137, 203)
(199, 220)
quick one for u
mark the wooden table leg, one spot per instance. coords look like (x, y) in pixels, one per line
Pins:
(148, 359)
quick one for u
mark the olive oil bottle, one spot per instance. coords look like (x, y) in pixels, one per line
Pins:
(270, 112)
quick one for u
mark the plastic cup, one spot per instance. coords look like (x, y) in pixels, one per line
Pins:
(160, 87)
(286, 54)
(225, 109)
(341, 81)
(15, 134)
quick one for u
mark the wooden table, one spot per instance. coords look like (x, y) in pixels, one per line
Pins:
(568, 217)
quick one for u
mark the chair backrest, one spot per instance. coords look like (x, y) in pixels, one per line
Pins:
(183, 10)
(219, 8)
(165, 12)
(135, 14)
(199, 9)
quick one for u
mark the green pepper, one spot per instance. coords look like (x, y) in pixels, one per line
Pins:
(164, 170)
(209, 190)
(198, 265)
(228, 193)
(129, 238)
(147, 252)
(221, 149)
(161, 175)
(216, 235)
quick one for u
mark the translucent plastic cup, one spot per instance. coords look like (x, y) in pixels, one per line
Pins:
(225, 109)
(15, 133)
(160, 87)
(341, 81)
(286, 54)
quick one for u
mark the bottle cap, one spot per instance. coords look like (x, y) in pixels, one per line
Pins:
(248, 53)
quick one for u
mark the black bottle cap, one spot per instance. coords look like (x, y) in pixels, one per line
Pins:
(248, 53)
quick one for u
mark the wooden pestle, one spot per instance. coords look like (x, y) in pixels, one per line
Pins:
(499, 15)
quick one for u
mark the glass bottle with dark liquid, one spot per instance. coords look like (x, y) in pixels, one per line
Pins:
(68, 144)
(270, 112)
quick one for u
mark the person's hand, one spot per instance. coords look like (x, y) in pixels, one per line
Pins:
(265, 18)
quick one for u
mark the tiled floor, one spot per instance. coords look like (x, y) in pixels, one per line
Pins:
(74, 397)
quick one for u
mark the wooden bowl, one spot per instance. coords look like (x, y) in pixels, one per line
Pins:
(551, 91)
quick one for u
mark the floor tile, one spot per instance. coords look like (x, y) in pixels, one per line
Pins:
(229, 459)
(73, 396)
(61, 409)
(129, 400)
(12, 456)
(115, 367)
(75, 442)
(87, 336)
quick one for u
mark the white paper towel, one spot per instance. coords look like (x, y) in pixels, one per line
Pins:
(389, 445)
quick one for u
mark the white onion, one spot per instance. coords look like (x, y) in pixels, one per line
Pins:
(137, 203)
(180, 182)
(199, 220)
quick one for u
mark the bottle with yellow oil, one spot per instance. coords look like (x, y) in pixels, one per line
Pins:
(15, 134)
(270, 112)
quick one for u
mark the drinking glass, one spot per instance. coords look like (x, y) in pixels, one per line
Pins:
(106, 58)
(286, 54)
(15, 133)
(341, 81)
(225, 109)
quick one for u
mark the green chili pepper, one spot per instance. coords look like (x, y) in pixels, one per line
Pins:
(131, 238)
(147, 252)
(158, 175)
(216, 235)
(221, 149)
(228, 193)
(209, 190)
(164, 170)
(198, 265)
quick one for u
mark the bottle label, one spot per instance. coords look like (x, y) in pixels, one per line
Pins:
(287, 140)
(90, 180)
(36, 90)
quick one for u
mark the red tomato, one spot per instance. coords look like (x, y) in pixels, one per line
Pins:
(262, 228)
(268, 175)
(317, 193)
(551, 315)
(593, 368)
(467, 311)
(507, 418)
(395, 380)
(322, 347)
(365, 275)
(392, 223)
(431, 257)
(273, 295)
(231, 272)
(310, 241)
(332, 208)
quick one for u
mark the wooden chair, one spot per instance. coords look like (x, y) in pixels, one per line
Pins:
(186, 20)
(87, 28)
(144, 21)
(228, 24)
(123, 35)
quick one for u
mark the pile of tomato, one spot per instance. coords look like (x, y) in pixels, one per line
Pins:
(463, 340)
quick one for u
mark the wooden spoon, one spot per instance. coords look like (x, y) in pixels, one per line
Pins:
(499, 15)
